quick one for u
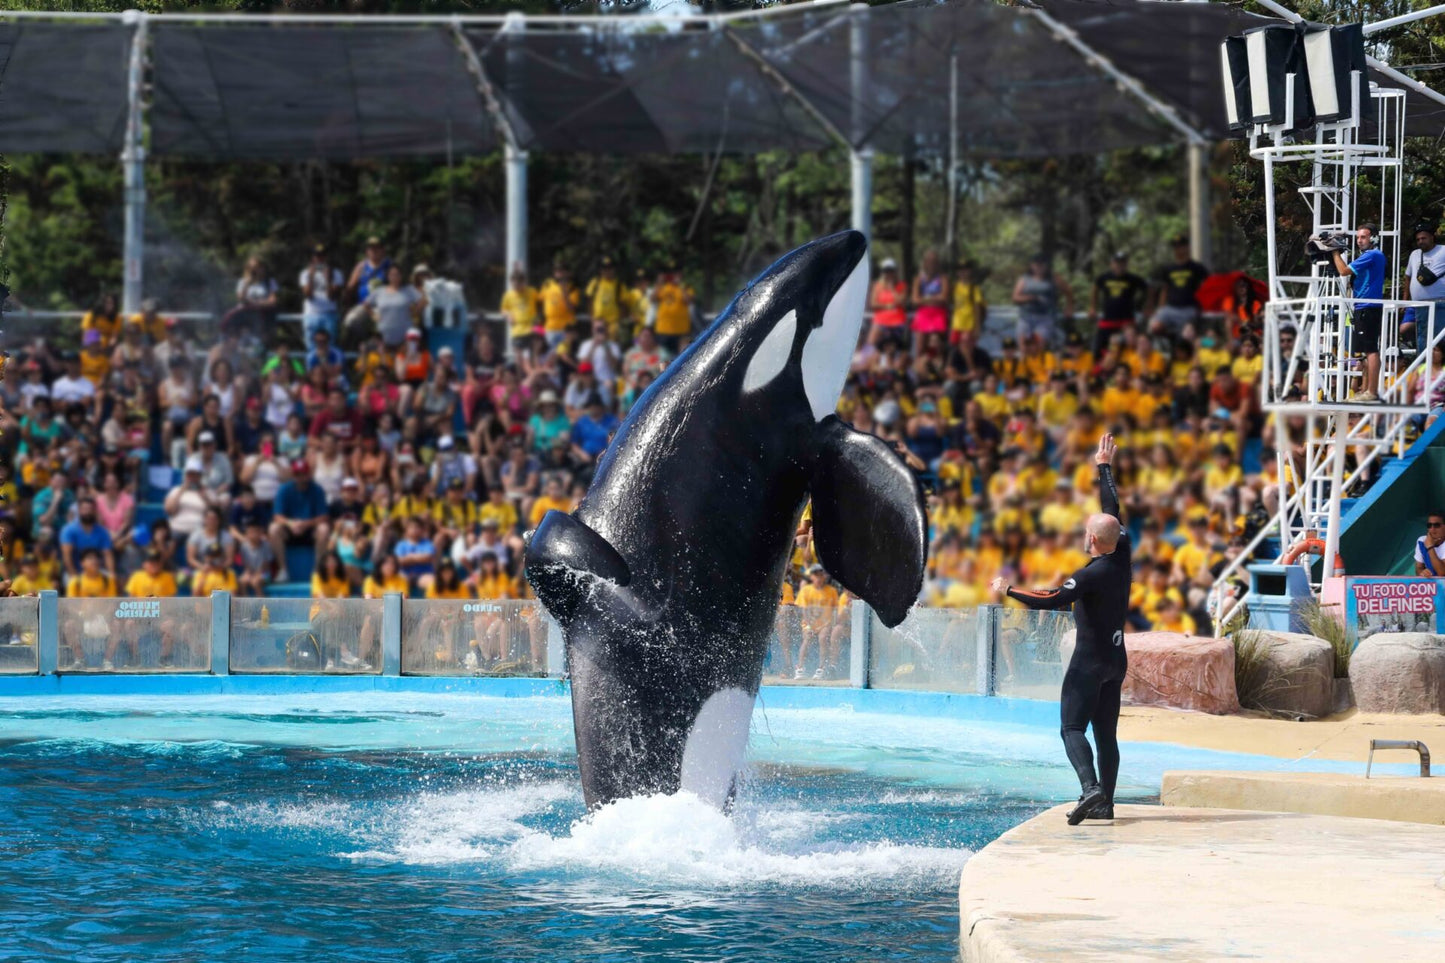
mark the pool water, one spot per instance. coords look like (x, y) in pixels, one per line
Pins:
(385, 826)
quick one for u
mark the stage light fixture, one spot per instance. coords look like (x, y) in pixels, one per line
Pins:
(1275, 52)
(1332, 54)
(1234, 66)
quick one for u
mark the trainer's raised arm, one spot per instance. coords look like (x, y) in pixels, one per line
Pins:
(1108, 494)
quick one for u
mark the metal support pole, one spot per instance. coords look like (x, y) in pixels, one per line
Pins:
(1341, 427)
(861, 644)
(516, 161)
(132, 159)
(861, 157)
(1197, 156)
(951, 230)
(391, 633)
(983, 648)
(862, 167)
(220, 632)
(47, 634)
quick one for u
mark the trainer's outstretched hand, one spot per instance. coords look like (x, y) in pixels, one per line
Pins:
(1107, 448)
(998, 585)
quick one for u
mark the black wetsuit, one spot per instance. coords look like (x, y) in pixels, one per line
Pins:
(1099, 593)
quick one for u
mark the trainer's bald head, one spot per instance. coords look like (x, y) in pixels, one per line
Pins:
(1105, 531)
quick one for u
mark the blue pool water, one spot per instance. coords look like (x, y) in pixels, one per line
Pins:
(389, 826)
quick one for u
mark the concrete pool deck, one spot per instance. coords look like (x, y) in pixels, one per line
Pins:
(1408, 799)
(1206, 884)
(1343, 737)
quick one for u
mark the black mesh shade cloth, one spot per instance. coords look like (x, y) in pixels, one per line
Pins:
(797, 79)
(283, 91)
(62, 86)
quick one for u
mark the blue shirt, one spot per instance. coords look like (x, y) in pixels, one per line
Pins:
(293, 503)
(1369, 275)
(407, 547)
(591, 435)
(80, 540)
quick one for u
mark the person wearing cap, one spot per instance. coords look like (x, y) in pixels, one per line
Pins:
(604, 299)
(1425, 269)
(396, 307)
(455, 514)
(1038, 293)
(521, 305)
(413, 363)
(1367, 286)
(73, 385)
(1176, 304)
(321, 285)
(673, 299)
(1117, 297)
(217, 473)
(888, 303)
(453, 463)
(368, 273)
(819, 601)
(186, 502)
(548, 423)
(560, 300)
(215, 574)
(149, 322)
(350, 501)
(301, 518)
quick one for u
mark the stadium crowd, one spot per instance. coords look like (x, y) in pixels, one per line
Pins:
(408, 469)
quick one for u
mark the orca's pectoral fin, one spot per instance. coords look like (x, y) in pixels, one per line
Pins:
(869, 523)
(564, 559)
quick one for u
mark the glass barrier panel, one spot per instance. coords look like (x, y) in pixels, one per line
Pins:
(1026, 659)
(19, 628)
(486, 637)
(935, 649)
(302, 636)
(134, 635)
(811, 645)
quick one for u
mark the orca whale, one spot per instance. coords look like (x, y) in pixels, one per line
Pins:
(666, 578)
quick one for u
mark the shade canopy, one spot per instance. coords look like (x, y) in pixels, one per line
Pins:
(803, 77)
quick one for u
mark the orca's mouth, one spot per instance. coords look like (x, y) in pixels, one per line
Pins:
(828, 353)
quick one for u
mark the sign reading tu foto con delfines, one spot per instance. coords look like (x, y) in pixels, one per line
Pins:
(1394, 605)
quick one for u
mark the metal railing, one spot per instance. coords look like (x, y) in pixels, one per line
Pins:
(988, 650)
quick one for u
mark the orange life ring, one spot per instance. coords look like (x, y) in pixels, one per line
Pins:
(1312, 546)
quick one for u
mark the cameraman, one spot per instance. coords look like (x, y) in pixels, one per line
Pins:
(1367, 285)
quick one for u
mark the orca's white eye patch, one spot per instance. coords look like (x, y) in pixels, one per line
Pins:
(772, 355)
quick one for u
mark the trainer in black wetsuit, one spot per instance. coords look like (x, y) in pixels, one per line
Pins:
(1099, 593)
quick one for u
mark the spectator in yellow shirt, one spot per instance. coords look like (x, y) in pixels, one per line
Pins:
(151, 581)
(819, 600)
(386, 579)
(456, 514)
(1173, 618)
(30, 581)
(560, 299)
(92, 582)
(1224, 474)
(105, 318)
(1142, 359)
(969, 307)
(673, 300)
(216, 575)
(500, 509)
(94, 357)
(1250, 364)
(329, 580)
(521, 304)
(1038, 362)
(606, 296)
(1063, 514)
(553, 498)
(1076, 361)
(1057, 406)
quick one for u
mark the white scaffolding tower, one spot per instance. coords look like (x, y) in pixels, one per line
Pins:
(1327, 442)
